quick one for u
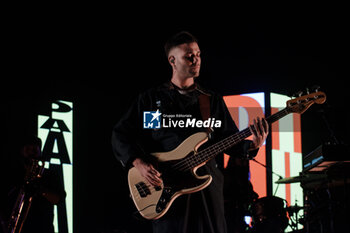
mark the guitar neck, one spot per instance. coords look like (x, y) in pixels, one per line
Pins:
(225, 144)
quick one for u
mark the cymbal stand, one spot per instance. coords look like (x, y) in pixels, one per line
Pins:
(269, 169)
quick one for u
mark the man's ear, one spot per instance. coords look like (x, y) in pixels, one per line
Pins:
(171, 60)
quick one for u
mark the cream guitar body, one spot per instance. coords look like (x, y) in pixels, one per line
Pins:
(154, 202)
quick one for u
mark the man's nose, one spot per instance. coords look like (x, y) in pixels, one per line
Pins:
(195, 60)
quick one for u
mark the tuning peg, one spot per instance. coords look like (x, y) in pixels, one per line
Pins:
(316, 88)
(307, 91)
(298, 94)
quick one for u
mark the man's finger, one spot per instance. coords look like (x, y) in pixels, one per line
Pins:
(153, 180)
(266, 126)
(261, 130)
(252, 130)
(257, 126)
(156, 172)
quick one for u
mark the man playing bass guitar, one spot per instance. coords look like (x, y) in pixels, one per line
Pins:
(190, 109)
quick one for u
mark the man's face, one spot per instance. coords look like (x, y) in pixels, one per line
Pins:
(186, 60)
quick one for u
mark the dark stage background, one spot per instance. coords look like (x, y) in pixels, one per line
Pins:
(101, 63)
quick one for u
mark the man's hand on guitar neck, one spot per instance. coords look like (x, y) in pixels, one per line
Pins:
(259, 130)
(148, 172)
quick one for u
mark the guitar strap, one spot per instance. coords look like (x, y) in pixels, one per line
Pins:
(204, 106)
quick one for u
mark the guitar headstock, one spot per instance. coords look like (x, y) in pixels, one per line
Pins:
(302, 103)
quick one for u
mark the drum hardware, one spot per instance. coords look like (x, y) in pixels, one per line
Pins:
(272, 172)
(294, 217)
(302, 178)
(269, 214)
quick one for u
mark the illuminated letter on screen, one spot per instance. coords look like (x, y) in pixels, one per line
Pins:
(286, 152)
(243, 109)
(56, 133)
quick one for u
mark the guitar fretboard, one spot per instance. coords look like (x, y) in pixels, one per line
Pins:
(223, 145)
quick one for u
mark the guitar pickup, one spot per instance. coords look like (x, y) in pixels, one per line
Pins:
(143, 189)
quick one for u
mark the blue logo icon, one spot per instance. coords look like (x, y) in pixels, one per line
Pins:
(151, 119)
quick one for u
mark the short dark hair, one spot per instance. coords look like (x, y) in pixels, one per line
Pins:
(179, 38)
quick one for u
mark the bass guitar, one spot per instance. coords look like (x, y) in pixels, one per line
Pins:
(179, 166)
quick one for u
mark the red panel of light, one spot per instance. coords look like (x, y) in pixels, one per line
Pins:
(253, 109)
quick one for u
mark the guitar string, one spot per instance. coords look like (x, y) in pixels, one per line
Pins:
(191, 161)
(137, 193)
(144, 190)
(214, 149)
(194, 160)
(205, 154)
(202, 156)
